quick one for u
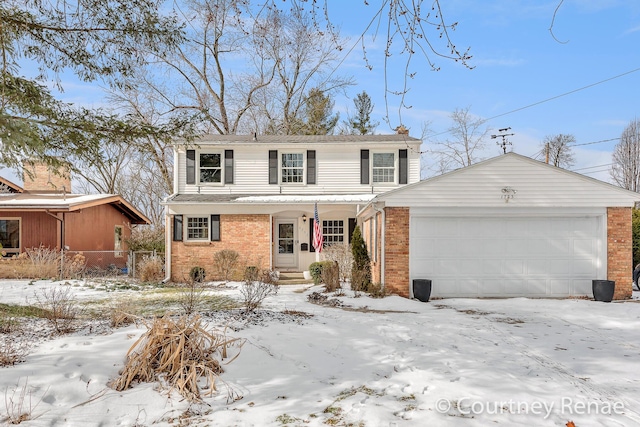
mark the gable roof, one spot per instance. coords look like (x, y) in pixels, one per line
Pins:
(531, 182)
(13, 188)
(69, 203)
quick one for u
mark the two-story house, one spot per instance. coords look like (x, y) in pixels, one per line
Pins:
(255, 194)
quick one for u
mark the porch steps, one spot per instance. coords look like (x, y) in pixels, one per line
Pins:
(292, 278)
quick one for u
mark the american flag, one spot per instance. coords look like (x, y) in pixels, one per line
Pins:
(317, 231)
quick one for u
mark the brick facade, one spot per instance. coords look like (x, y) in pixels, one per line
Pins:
(619, 251)
(38, 176)
(396, 251)
(249, 235)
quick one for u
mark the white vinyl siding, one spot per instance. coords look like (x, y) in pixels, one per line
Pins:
(337, 171)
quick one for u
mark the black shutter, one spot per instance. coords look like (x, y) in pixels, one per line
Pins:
(352, 226)
(177, 228)
(215, 228)
(191, 166)
(311, 248)
(311, 166)
(364, 166)
(228, 166)
(273, 166)
(404, 167)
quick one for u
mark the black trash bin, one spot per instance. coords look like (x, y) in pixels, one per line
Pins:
(603, 290)
(422, 289)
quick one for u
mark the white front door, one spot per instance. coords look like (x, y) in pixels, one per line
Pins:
(286, 244)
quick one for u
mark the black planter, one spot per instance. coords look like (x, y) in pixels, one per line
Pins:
(422, 289)
(603, 290)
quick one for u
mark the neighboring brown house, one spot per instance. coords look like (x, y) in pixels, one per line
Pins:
(44, 213)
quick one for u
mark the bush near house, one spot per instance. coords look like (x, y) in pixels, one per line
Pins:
(361, 269)
(635, 224)
(315, 269)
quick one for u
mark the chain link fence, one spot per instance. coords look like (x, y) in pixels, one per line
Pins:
(96, 264)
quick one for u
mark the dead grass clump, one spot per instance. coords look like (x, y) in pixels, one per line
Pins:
(181, 354)
(331, 277)
(12, 351)
(122, 313)
(151, 268)
(226, 262)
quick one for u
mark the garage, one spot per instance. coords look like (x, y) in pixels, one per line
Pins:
(506, 227)
(508, 256)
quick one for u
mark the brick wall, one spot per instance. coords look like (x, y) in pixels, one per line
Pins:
(38, 176)
(396, 272)
(619, 251)
(249, 235)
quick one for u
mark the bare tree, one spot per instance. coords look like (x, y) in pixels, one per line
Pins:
(558, 150)
(468, 138)
(625, 170)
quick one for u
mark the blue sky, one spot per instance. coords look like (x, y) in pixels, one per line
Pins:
(516, 62)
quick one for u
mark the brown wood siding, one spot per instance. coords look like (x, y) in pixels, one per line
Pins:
(36, 229)
(93, 229)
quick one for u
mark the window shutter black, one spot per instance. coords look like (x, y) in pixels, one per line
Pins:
(273, 166)
(364, 166)
(228, 166)
(311, 166)
(404, 167)
(191, 166)
(215, 228)
(311, 248)
(352, 226)
(177, 228)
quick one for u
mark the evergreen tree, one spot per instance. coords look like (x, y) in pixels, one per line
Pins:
(361, 267)
(361, 123)
(318, 118)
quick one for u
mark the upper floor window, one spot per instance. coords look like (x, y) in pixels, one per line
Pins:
(10, 236)
(292, 168)
(210, 168)
(384, 166)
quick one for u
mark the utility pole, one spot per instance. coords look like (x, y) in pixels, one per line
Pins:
(504, 136)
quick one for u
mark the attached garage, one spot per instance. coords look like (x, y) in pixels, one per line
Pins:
(510, 226)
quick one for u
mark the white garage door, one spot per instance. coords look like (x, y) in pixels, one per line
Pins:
(506, 257)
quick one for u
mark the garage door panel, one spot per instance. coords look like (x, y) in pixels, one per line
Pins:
(518, 256)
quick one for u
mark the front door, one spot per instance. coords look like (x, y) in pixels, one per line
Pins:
(286, 254)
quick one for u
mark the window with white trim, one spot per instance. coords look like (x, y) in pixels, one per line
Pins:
(198, 228)
(9, 236)
(383, 168)
(210, 166)
(292, 168)
(333, 231)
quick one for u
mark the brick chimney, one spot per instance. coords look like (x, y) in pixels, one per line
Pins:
(38, 176)
(401, 130)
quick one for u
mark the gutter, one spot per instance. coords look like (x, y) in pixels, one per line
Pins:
(167, 245)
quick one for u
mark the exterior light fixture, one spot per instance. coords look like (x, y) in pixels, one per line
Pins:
(508, 193)
(304, 217)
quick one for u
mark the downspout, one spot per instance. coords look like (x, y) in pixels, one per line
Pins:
(382, 241)
(167, 245)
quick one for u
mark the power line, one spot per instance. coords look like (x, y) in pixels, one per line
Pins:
(592, 167)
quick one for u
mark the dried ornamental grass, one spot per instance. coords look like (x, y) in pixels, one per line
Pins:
(180, 353)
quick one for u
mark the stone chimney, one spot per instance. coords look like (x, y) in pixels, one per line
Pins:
(38, 176)
(401, 130)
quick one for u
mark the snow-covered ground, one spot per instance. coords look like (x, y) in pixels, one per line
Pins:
(378, 362)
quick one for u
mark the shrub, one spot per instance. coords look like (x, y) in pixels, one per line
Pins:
(146, 238)
(225, 263)
(331, 276)
(257, 285)
(361, 268)
(151, 269)
(315, 269)
(74, 267)
(341, 254)
(197, 274)
(59, 307)
(12, 351)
